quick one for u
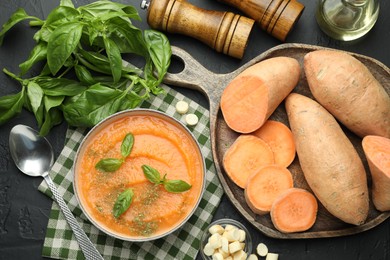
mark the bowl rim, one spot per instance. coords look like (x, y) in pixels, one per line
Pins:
(121, 114)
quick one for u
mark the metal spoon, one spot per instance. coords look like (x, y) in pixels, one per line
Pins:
(34, 156)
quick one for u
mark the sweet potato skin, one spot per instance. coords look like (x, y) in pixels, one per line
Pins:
(377, 151)
(330, 163)
(348, 90)
(281, 74)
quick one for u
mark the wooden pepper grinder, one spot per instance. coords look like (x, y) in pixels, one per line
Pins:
(276, 17)
(225, 32)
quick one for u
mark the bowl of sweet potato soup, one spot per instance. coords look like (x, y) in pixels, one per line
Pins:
(139, 175)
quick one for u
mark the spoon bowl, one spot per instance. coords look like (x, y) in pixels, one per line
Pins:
(31, 152)
(34, 156)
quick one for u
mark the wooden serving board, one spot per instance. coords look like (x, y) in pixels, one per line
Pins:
(195, 76)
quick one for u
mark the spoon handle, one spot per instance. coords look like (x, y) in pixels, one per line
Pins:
(89, 250)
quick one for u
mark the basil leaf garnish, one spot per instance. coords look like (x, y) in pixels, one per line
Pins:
(127, 145)
(113, 164)
(176, 186)
(123, 202)
(109, 164)
(151, 174)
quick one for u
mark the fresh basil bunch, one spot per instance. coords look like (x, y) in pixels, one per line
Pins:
(88, 41)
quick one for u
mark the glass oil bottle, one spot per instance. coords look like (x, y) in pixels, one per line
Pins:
(347, 20)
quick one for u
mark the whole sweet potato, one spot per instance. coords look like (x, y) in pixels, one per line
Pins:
(348, 90)
(329, 161)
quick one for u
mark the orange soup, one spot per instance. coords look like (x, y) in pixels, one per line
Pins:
(159, 142)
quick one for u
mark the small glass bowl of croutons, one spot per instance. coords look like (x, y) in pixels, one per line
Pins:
(226, 238)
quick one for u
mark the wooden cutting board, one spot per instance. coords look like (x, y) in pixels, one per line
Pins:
(195, 76)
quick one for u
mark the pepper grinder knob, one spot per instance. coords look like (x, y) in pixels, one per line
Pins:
(144, 4)
(276, 17)
(225, 32)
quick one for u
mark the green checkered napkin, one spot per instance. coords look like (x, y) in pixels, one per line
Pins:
(184, 243)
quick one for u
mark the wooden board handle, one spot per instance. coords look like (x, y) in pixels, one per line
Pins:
(225, 32)
(276, 17)
(195, 76)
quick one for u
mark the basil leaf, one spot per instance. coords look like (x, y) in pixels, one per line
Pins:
(11, 105)
(45, 71)
(114, 57)
(127, 145)
(67, 3)
(109, 164)
(131, 100)
(159, 50)
(131, 12)
(99, 62)
(62, 43)
(60, 86)
(52, 117)
(93, 32)
(176, 186)
(62, 14)
(35, 96)
(59, 16)
(93, 105)
(151, 174)
(159, 58)
(128, 38)
(84, 75)
(123, 202)
(99, 9)
(52, 101)
(38, 53)
(18, 16)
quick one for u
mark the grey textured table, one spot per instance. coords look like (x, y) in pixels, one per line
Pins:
(24, 210)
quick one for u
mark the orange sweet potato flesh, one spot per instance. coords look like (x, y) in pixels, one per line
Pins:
(349, 91)
(281, 140)
(295, 210)
(265, 185)
(245, 156)
(377, 151)
(329, 161)
(253, 95)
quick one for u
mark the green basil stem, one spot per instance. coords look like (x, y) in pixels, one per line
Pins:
(65, 72)
(12, 75)
(36, 23)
